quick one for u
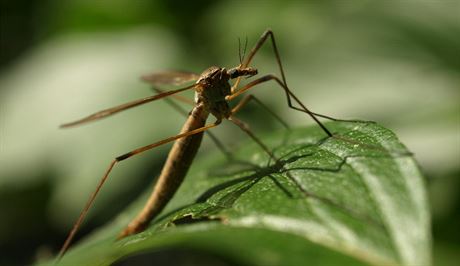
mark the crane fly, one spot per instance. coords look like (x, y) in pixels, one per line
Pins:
(213, 93)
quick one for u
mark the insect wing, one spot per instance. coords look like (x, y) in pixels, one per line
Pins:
(170, 78)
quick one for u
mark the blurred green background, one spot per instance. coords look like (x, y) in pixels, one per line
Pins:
(395, 62)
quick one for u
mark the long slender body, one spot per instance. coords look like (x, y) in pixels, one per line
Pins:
(210, 91)
(174, 170)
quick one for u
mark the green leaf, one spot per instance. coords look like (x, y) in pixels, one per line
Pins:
(352, 199)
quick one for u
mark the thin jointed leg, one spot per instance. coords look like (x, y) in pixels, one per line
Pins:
(243, 126)
(282, 82)
(85, 210)
(286, 89)
(250, 97)
(106, 175)
(255, 49)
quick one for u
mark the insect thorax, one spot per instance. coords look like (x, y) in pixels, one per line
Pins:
(212, 87)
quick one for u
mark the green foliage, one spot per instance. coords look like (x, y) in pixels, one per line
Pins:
(352, 199)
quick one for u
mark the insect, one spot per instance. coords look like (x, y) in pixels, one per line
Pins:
(213, 93)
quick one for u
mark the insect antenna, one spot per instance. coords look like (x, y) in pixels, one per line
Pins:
(244, 49)
(239, 51)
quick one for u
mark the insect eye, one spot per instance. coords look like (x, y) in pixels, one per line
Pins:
(233, 73)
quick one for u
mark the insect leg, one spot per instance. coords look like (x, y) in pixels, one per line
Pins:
(169, 179)
(119, 108)
(177, 97)
(304, 109)
(250, 97)
(287, 91)
(85, 210)
(243, 126)
(106, 175)
(256, 48)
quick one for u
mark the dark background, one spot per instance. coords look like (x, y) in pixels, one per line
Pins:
(395, 62)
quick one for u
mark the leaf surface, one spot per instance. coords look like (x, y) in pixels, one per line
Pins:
(352, 199)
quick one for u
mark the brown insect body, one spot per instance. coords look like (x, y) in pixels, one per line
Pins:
(210, 91)
(174, 170)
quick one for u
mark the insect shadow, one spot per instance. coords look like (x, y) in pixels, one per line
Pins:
(245, 183)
